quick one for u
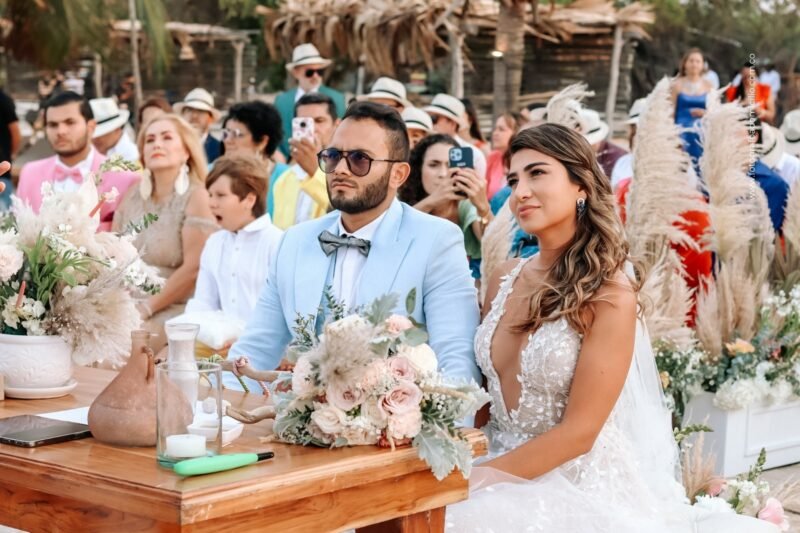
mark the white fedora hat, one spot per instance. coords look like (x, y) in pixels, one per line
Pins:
(108, 115)
(636, 110)
(389, 89)
(772, 145)
(591, 126)
(448, 106)
(417, 119)
(198, 99)
(791, 131)
(306, 54)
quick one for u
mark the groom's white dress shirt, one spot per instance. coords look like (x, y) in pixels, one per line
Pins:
(350, 263)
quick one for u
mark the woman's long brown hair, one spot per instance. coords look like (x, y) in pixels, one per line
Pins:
(598, 251)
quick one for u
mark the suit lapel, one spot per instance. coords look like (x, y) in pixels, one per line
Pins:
(388, 248)
(312, 271)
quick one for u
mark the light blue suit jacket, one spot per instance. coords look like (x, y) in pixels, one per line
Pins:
(410, 250)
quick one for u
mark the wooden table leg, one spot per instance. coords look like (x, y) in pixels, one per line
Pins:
(425, 522)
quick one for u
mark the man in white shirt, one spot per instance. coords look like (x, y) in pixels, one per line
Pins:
(110, 137)
(370, 246)
(772, 152)
(449, 116)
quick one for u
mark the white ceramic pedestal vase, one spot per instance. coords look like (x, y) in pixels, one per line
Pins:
(739, 435)
(30, 362)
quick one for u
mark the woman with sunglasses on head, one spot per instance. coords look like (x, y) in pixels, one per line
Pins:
(455, 194)
(254, 129)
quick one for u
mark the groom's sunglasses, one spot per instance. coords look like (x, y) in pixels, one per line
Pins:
(358, 162)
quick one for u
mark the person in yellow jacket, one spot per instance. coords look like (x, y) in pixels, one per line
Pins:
(301, 192)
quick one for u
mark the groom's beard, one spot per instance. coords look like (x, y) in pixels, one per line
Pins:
(372, 197)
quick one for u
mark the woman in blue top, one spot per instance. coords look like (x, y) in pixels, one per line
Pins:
(689, 93)
(255, 129)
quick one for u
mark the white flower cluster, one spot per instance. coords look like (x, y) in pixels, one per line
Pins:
(740, 393)
(783, 304)
(751, 496)
(29, 313)
(714, 504)
(11, 257)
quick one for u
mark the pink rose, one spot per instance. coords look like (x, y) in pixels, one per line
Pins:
(404, 397)
(397, 324)
(344, 397)
(402, 368)
(773, 513)
(404, 425)
(716, 486)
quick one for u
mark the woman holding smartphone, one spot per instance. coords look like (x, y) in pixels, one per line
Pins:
(457, 194)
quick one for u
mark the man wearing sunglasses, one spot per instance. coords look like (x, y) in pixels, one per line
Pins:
(308, 68)
(370, 246)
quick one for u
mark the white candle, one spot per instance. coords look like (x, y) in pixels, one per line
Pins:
(186, 445)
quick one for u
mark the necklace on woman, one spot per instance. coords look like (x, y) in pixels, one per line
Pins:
(693, 87)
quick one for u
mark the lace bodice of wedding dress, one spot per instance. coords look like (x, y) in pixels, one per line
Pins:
(600, 491)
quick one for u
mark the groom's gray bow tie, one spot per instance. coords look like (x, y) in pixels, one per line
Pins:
(330, 243)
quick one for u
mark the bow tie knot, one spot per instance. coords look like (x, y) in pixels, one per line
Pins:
(63, 174)
(330, 243)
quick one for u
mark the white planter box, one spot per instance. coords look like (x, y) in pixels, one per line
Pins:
(739, 435)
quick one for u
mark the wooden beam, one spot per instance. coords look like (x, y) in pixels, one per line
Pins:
(613, 81)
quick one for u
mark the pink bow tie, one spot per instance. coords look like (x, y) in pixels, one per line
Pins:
(62, 174)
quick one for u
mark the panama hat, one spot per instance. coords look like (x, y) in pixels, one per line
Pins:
(306, 54)
(108, 115)
(637, 109)
(772, 145)
(591, 126)
(417, 119)
(448, 106)
(791, 131)
(198, 99)
(388, 89)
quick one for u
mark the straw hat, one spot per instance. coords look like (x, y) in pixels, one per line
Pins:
(198, 99)
(417, 119)
(448, 106)
(591, 127)
(637, 109)
(306, 54)
(389, 89)
(108, 115)
(772, 145)
(791, 131)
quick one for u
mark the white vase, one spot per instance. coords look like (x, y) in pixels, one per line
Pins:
(35, 362)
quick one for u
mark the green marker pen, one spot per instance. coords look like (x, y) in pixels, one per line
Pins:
(218, 463)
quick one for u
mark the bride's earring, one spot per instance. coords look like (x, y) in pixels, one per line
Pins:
(581, 206)
(182, 182)
(146, 184)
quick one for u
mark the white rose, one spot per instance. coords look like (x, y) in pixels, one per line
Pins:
(405, 425)
(713, 504)
(328, 418)
(11, 259)
(422, 357)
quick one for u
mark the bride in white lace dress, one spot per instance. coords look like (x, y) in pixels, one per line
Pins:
(580, 440)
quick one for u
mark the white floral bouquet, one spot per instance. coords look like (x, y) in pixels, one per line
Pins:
(58, 276)
(763, 369)
(746, 495)
(371, 379)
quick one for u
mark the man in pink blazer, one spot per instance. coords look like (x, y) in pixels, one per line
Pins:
(69, 125)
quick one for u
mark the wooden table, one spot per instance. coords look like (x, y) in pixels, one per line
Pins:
(85, 485)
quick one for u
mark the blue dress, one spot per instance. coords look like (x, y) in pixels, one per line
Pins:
(684, 118)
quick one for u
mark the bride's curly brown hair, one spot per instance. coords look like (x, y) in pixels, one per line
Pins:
(597, 252)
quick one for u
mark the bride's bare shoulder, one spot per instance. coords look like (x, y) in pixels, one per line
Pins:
(616, 295)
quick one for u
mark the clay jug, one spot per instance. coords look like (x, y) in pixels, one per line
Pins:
(125, 412)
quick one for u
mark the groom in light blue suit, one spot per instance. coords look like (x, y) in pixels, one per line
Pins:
(372, 245)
